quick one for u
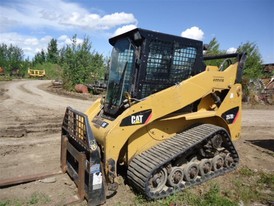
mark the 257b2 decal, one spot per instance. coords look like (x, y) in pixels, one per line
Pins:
(230, 116)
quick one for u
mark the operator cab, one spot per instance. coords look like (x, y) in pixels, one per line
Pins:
(144, 62)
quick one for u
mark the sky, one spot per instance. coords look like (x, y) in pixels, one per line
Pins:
(31, 24)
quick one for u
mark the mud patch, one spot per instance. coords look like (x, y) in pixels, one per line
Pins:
(3, 94)
(3, 91)
(10, 150)
(14, 132)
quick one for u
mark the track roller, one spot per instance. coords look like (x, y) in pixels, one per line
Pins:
(217, 162)
(191, 171)
(175, 176)
(228, 160)
(205, 167)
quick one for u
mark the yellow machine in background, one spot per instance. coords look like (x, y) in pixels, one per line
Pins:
(36, 73)
(167, 120)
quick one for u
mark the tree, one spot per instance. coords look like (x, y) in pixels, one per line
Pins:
(53, 53)
(214, 49)
(79, 64)
(3, 55)
(43, 56)
(62, 54)
(97, 66)
(253, 66)
(39, 58)
(11, 57)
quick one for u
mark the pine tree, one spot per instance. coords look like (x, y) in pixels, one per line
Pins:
(253, 66)
(53, 53)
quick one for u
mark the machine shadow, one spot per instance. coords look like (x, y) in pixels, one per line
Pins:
(267, 144)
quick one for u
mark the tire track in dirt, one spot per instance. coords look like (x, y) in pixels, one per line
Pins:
(25, 90)
(30, 127)
(24, 128)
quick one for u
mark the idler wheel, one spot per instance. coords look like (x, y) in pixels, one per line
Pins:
(158, 180)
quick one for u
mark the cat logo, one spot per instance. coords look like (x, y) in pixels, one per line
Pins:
(137, 119)
(142, 117)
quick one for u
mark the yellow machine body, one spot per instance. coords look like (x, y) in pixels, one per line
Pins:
(167, 118)
(125, 142)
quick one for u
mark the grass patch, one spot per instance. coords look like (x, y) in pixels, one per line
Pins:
(245, 192)
(10, 202)
(212, 197)
(267, 179)
(246, 171)
(253, 186)
(38, 198)
(35, 199)
(53, 71)
(5, 78)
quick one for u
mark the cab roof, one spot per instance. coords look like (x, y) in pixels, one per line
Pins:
(139, 35)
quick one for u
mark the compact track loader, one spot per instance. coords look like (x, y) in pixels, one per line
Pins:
(167, 119)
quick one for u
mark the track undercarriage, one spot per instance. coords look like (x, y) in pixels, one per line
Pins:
(187, 159)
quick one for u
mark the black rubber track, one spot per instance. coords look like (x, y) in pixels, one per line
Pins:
(145, 164)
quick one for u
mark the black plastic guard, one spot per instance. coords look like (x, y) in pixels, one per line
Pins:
(80, 157)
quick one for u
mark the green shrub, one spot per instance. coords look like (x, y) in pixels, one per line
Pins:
(53, 71)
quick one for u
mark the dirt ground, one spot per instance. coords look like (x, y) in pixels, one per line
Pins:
(30, 123)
